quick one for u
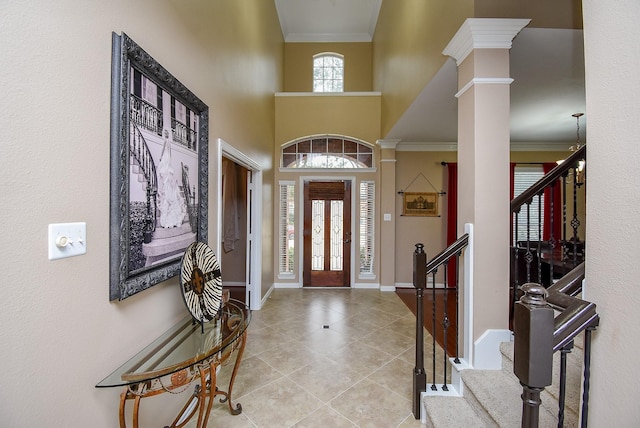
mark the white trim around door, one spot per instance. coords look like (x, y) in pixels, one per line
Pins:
(254, 215)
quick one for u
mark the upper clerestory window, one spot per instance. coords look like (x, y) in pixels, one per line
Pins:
(328, 72)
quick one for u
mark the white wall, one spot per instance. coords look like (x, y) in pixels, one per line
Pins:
(59, 334)
(612, 61)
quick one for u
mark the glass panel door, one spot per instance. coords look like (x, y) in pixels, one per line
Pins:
(327, 233)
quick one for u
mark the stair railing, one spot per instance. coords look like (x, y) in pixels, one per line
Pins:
(536, 339)
(189, 198)
(146, 115)
(142, 156)
(545, 261)
(421, 270)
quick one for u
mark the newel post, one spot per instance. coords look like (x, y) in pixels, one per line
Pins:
(533, 349)
(420, 283)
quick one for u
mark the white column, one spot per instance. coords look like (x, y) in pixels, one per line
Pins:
(481, 50)
(387, 211)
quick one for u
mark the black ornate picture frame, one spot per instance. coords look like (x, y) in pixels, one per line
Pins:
(159, 170)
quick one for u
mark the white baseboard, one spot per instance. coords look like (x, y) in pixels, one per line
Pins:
(234, 284)
(486, 355)
(454, 389)
(286, 285)
(368, 285)
(404, 285)
(266, 296)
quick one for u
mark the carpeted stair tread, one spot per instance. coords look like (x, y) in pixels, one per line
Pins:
(498, 394)
(447, 412)
(550, 395)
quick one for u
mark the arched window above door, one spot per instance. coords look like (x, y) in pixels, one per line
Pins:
(327, 152)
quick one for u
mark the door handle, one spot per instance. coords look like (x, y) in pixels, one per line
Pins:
(347, 241)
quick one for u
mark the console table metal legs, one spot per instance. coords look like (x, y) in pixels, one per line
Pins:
(227, 395)
(201, 400)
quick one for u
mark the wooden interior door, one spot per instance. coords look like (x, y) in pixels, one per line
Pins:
(235, 231)
(327, 234)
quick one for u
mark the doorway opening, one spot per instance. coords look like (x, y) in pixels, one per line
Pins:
(242, 218)
(234, 229)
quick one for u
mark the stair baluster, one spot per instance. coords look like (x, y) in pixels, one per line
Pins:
(142, 156)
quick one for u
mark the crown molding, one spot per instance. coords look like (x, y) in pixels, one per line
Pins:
(427, 147)
(415, 146)
(328, 94)
(484, 81)
(560, 146)
(328, 38)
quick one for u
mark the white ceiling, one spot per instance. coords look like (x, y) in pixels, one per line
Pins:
(328, 20)
(547, 66)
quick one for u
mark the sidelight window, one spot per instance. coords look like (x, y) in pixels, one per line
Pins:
(286, 232)
(367, 229)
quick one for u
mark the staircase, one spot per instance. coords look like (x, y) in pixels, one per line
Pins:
(167, 243)
(492, 397)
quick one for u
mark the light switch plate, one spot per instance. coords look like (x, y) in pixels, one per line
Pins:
(67, 240)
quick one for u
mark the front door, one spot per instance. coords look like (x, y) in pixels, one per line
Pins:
(327, 234)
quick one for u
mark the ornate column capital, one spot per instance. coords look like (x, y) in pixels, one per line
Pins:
(483, 33)
(388, 144)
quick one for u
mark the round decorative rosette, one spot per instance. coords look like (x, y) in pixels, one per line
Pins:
(201, 281)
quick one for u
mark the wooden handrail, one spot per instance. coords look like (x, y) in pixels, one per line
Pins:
(447, 253)
(575, 314)
(549, 179)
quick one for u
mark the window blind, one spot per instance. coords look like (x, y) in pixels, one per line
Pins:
(367, 226)
(530, 219)
(286, 231)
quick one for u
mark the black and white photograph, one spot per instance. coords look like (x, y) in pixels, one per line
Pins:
(159, 170)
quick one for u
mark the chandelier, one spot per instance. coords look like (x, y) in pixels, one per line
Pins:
(580, 169)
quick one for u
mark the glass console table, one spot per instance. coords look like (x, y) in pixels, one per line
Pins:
(187, 352)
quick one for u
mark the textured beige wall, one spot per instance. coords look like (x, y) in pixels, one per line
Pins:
(612, 270)
(351, 115)
(430, 231)
(543, 13)
(407, 49)
(298, 65)
(411, 35)
(60, 334)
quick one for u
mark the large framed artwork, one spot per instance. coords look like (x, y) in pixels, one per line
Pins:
(159, 170)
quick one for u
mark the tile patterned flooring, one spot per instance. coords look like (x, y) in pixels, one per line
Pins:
(358, 372)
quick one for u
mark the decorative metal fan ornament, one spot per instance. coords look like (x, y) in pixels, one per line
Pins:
(201, 282)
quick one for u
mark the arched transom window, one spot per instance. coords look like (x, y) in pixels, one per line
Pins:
(329, 151)
(328, 72)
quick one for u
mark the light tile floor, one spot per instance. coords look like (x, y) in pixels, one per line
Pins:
(297, 373)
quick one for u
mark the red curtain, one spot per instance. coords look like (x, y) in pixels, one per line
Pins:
(512, 169)
(557, 207)
(452, 217)
(512, 179)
